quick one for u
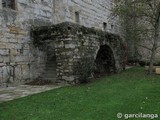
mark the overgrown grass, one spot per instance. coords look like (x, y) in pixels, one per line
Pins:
(131, 91)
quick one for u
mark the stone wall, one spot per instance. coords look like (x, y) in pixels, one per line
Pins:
(19, 59)
(72, 42)
(92, 13)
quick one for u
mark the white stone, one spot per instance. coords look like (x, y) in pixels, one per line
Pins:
(70, 46)
(70, 78)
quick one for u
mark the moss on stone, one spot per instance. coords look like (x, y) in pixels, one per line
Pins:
(43, 33)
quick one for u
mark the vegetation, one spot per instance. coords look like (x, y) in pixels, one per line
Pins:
(128, 92)
(142, 19)
(42, 34)
(145, 63)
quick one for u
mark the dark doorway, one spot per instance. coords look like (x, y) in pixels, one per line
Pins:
(105, 62)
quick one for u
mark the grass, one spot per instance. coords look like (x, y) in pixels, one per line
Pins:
(128, 92)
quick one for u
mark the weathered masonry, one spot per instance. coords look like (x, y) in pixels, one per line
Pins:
(68, 43)
(90, 13)
(20, 59)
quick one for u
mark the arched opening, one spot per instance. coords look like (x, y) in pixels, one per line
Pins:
(51, 64)
(105, 62)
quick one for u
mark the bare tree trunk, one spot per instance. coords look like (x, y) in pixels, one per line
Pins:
(156, 35)
(152, 59)
(154, 48)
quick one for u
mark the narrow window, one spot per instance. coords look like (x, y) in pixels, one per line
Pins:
(112, 27)
(8, 4)
(77, 20)
(105, 26)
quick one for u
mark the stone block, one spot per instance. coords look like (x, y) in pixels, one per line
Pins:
(5, 73)
(6, 59)
(70, 46)
(18, 72)
(4, 52)
(158, 71)
(14, 52)
(68, 78)
(13, 46)
(2, 45)
(25, 71)
(22, 59)
(1, 58)
(59, 44)
(2, 64)
(14, 29)
(12, 40)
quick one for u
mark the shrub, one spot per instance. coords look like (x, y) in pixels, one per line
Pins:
(84, 68)
(157, 64)
(142, 63)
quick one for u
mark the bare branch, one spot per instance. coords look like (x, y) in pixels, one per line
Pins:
(145, 47)
(151, 6)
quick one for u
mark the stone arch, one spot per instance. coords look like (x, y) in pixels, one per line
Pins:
(105, 60)
(73, 42)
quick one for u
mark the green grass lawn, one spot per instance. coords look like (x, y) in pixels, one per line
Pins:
(128, 92)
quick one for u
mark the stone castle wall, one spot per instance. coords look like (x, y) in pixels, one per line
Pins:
(92, 13)
(19, 59)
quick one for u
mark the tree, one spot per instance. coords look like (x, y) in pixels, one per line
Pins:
(145, 16)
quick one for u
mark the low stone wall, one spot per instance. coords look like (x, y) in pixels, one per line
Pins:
(72, 42)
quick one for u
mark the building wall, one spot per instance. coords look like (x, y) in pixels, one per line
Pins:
(19, 59)
(92, 13)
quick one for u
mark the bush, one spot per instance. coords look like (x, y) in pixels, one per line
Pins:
(142, 63)
(157, 64)
(84, 68)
